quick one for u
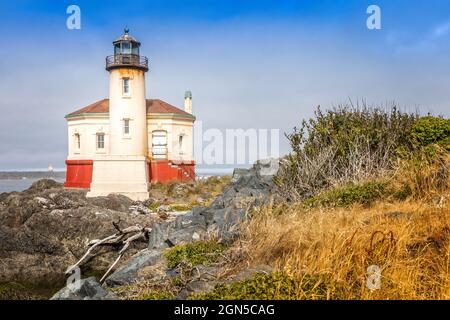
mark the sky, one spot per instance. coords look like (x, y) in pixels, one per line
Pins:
(262, 64)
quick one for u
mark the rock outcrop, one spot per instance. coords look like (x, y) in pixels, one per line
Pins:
(86, 289)
(248, 188)
(45, 229)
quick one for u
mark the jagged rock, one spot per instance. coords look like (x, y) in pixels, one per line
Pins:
(128, 273)
(140, 208)
(45, 229)
(42, 201)
(186, 235)
(115, 202)
(86, 289)
(44, 184)
(248, 188)
(178, 231)
(198, 286)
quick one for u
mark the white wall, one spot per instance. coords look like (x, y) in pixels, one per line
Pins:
(174, 128)
(87, 128)
(130, 106)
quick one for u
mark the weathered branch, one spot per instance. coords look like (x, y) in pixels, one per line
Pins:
(89, 251)
(118, 238)
(122, 251)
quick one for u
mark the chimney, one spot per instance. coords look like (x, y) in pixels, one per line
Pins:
(188, 102)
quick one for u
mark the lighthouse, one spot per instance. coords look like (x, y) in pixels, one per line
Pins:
(123, 144)
(127, 101)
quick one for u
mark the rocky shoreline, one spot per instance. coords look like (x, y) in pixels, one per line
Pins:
(46, 228)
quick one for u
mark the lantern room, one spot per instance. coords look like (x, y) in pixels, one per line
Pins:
(126, 54)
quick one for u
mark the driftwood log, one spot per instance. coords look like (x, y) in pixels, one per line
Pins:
(123, 237)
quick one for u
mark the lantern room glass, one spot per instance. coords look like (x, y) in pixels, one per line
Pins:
(126, 48)
(134, 49)
(117, 49)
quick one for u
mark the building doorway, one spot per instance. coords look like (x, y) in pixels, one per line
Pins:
(159, 145)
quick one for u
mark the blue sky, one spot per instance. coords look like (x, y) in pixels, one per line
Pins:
(249, 64)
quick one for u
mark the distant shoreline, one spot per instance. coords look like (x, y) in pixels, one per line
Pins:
(21, 175)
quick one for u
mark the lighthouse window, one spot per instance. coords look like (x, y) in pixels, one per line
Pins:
(126, 48)
(77, 141)
(180, 143)
(126, 126)
(126, 86)
(117, 48)
(135, 49)
(100, 141)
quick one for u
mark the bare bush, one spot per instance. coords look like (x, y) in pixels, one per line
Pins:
(347, 144)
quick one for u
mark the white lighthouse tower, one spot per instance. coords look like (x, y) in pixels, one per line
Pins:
(124, 166)
(125, 143)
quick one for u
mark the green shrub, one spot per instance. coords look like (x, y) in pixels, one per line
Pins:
(348, 143)
(428, 130)
(365, 194)
(275, 286)
(196, 253)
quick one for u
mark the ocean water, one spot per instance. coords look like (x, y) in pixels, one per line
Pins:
(8, 184)
(18, 184)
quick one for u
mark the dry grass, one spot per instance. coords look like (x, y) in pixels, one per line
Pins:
(409, 241)
(182, 194)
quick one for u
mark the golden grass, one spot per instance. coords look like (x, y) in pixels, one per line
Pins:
(409, 241)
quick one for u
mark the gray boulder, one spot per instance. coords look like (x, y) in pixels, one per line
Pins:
(129, 273)
(248, 188)
(45, 229)
(44, 184)
(86, 289)
(198, 286)
(183, 229)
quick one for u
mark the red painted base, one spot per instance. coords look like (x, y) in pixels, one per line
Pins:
(163, 171)
(79, 174)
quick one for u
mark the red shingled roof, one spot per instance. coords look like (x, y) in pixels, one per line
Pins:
(153, 106)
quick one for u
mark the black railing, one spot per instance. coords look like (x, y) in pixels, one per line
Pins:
(126, 60)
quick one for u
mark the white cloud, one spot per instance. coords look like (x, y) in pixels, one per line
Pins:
(442, 30)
